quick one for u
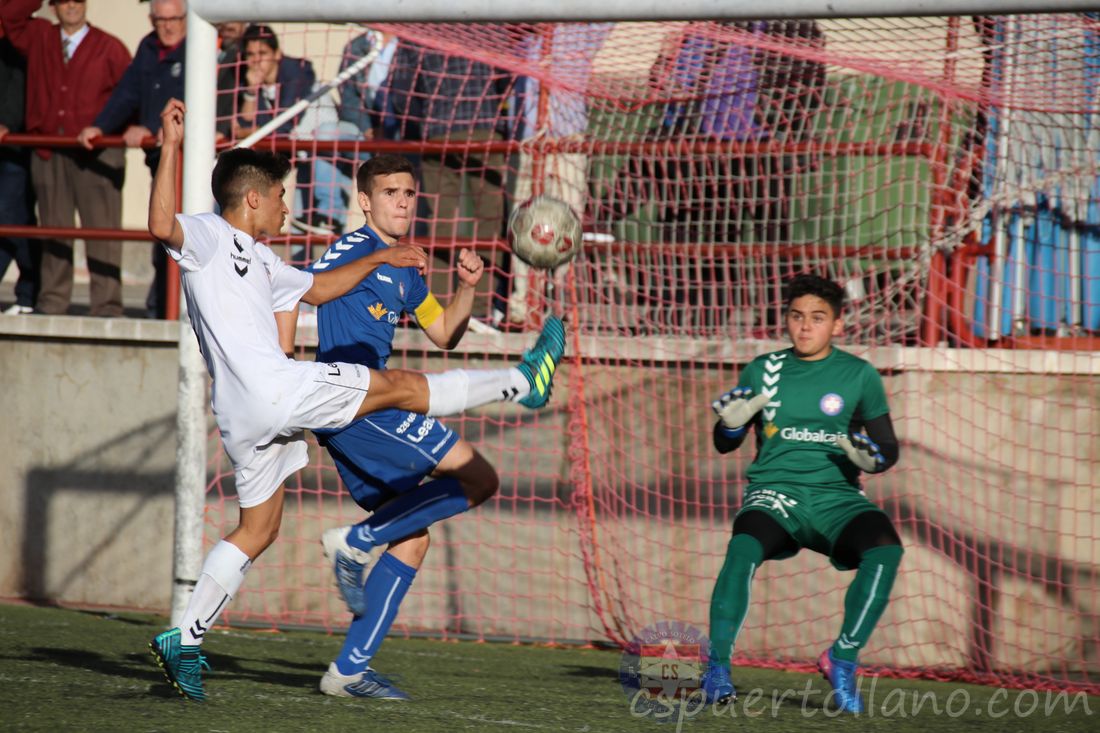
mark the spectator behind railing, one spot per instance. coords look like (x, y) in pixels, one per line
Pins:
(72, 69)
(361, 114)
(366, 105)
(16, 206)
(154, 77)
(272, 82)
(440, 97)
(229, 74)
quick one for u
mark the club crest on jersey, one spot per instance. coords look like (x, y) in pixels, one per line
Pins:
(831, 404)
(380, 311)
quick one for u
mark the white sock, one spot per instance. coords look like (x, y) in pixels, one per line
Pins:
(223, 572)
(457, 390)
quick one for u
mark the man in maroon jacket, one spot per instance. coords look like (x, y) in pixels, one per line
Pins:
(71, 70)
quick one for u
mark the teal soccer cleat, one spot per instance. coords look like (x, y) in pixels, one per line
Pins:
(182, 665)
(541, 361)
(717, 687)
(842, 676)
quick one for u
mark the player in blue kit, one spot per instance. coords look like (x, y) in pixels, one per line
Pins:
(384, 456)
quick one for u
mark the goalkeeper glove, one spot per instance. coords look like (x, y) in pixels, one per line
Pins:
(736, 408)
(862, 451)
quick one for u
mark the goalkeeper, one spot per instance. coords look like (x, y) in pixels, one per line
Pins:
(820, 418)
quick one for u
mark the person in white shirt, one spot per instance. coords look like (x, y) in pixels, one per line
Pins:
(235, 289)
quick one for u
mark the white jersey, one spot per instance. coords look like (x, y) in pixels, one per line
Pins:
(233, 286)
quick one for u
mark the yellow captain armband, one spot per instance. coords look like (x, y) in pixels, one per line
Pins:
(428, 311)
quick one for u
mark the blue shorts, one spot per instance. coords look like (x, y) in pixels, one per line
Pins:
(387, 453)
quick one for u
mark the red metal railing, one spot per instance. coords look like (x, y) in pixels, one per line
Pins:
(943, 317)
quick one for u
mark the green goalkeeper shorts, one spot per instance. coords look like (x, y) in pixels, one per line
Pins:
(814, 517)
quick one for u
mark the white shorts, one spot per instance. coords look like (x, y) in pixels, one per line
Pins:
(330, 399)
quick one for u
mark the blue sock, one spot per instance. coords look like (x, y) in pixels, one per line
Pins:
(387, 584)
(410, 512)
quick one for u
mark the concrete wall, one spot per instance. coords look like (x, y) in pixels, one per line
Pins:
(996, 499)
(89, 440)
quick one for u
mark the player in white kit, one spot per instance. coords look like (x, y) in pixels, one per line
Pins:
(235, 289)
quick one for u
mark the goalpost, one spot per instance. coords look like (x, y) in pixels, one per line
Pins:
(942, 166)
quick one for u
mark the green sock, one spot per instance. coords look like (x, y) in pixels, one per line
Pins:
(730, 602)
(866, 599)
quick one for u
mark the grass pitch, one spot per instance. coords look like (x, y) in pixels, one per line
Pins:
(65, 670)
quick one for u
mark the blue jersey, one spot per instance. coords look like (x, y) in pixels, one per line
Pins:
(389, 451)
(358, 327)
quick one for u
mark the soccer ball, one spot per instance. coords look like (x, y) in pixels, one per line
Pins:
(544, 232)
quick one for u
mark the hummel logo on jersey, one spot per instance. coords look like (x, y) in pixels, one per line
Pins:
(242, 270)
(772, 368)
(384, 278)
(378, 311)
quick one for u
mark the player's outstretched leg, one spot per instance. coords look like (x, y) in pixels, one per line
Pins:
(364, 684)
(182, 664)
(454, 391)
(349, 565)
(541, 361)
(717, 687)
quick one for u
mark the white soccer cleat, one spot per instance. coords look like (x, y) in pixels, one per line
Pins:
(349, 564)
(365, 684)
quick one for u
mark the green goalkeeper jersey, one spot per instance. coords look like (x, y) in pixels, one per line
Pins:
(811, 403)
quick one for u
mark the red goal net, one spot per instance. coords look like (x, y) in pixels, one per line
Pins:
(943, 169)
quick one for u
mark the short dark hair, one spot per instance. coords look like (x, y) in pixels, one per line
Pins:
(262, 33)
(810, 284)
(242, 169)
(383, 164)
